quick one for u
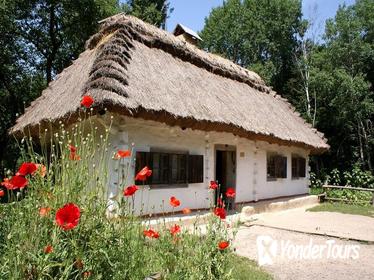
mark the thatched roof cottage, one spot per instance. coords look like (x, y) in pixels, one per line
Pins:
(193, 116)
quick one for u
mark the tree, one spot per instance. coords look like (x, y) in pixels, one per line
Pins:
(153, 11)
(256, 34)
(18, 84)
(298, 87)
(303, 64)
(340, 77)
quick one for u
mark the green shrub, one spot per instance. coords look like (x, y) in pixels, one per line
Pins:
(359, 178)
(355, 178)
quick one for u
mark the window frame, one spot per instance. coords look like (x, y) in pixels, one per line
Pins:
(277, 160)
(300, 172)
(178, 183)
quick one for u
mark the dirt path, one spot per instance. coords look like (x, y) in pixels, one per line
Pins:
(286, 236)
(319, 268)
(333, 224)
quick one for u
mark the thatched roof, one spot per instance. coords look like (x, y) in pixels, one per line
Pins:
(136, 69)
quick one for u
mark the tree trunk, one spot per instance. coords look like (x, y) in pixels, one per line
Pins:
(367, 148)
(306, 78)
(52, 32)
(360, 142)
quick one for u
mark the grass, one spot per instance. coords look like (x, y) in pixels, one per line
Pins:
(315, 191)
(345, 209)
(245, 269)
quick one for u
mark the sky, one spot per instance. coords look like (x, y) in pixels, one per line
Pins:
(192, 13)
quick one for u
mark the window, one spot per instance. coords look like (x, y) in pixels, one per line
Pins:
(171, 168)
(195, 169)
(160, 165)
(276, 166)
(298, 167)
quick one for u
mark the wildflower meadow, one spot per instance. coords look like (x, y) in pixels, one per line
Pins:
(54, 222)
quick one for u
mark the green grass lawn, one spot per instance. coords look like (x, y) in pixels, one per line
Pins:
(245, 269)
(345, 209)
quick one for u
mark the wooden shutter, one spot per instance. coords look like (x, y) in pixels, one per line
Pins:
(178, 166)
(301, 167)
(280, 163)
(298, 167)
(271, 167)
(295, 167)
(195, 169)
(284, 167)
(156, 170)
(160, 168)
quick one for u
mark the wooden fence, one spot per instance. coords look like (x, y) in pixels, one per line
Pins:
(327, 187)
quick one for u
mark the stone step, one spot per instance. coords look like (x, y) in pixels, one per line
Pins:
(279, 204)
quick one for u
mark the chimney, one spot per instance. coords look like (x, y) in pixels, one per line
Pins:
(186, 34)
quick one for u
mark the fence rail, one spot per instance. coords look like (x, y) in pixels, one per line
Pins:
(327, 187)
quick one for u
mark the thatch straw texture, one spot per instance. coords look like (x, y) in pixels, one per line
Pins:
(138, 70)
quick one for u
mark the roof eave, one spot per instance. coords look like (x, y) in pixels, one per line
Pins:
(168, 119)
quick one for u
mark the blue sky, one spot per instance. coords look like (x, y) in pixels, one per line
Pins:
(193, 12)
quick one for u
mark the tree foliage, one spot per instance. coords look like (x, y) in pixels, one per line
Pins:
(38, 39)
(257, 34)
(341, 79)
(153, 11)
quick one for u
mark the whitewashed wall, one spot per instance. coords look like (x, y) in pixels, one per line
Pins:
(251, 181)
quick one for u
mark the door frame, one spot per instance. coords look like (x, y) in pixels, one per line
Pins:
(226, 148)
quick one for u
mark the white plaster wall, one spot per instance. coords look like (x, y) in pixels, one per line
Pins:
(251, 181)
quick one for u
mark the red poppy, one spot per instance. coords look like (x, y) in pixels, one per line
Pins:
(220, 212)
(143, 174)
(68, 216)
(174, 201)
(27, 168)
(73, 153)
(151, 233)
(2, 193)
(186, 210)
(16, 182)
(213, 185)
(230, 192)
(175, 229)
(48, 249)
(130, 190)
(223, 245)
(44, 211)
(122, 154)
(87, 101)
(72, 149)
